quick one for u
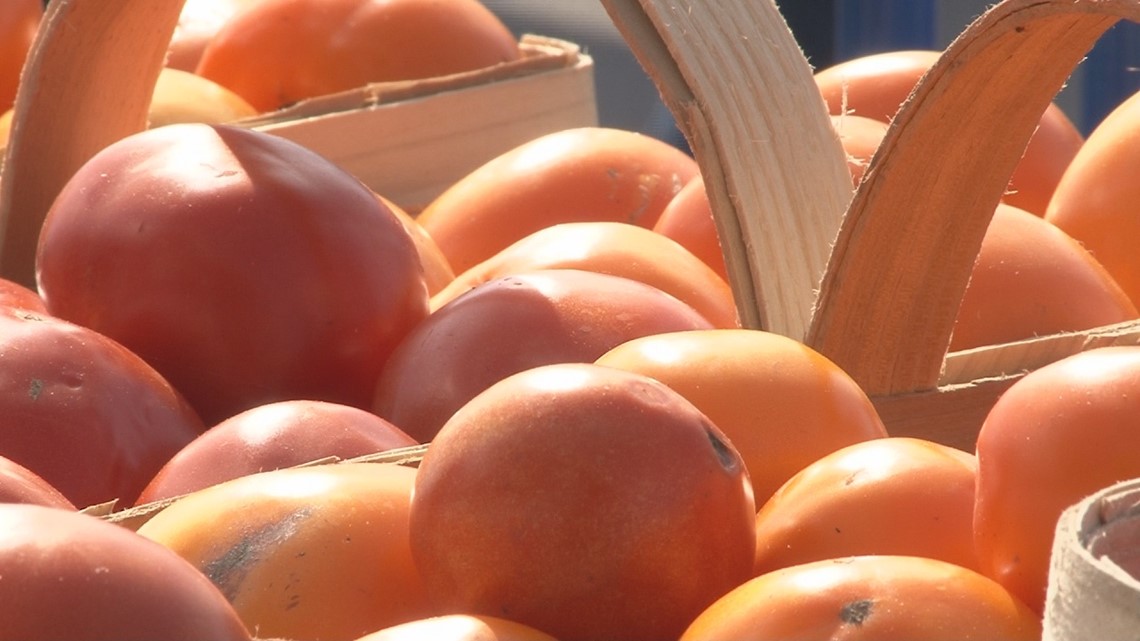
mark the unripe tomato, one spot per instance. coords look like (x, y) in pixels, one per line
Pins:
(244, 267)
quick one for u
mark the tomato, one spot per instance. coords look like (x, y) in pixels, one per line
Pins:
(13, 294)
(83, 412)
(872, 598)
(68, 575)
(273, 436)
(585, 501)
(1032, 279)
(244, 267)
(573, 175)
(317, 552)
(895, 495)
(781, 403)
(688, 220)
(278, 52)
(1095, 201)
(876, 85)
(459, 627)
(510, 324)
(181, 96)
(197, 24)
(19, 20)
(1057, 435)
(18, 484)
(620, 249)
(860, 137)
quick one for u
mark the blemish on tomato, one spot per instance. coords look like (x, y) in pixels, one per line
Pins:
(229, 570)
(724, 453)
(856, 612)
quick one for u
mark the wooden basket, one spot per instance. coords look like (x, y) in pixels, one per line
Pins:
(872, 279)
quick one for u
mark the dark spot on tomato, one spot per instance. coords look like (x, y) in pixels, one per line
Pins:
(724, 453)
(229, 570)
(856, 612)
(35, 388)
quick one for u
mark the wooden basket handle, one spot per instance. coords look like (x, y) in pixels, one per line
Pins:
(87, 83)
(898, 267)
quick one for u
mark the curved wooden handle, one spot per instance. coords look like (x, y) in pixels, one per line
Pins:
(903, 257)
(743, 94)
(87, 83)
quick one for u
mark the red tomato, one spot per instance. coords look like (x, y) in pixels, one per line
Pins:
(246, 268)
(270, 437)
(18, 484)
(80, 410)
(65, 575)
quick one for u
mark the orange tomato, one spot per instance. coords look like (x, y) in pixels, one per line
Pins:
(181, 96)
(872, 598)
(860, 137)
(1057, 435)
(876, 85)
(437, 271)
(197, 24)
(782, 404)
(895, 495)
(688, 220)
(585, 501)
(579, 174)
(317, 552)
(618, 249)
(1095, 201)
(278, 52)
(459, 627)
(19, 20)
(1032, 279)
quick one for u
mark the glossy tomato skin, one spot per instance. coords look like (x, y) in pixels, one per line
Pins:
(572, 175)
(1095, 200)
(278, 52)
(72, 576)
(80, 410)
(270, 437)
(1055, 436)
(244, 267)
(18, 484)
(513, 323)
(459, 627)
(585, 501)
(317, 552)
(868, 598)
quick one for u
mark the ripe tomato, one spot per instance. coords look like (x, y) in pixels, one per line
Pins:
(181, 96)
(619, 249)
(688, 220)
(1032, 279)
(579, 174)
(860, 137)
(876, 85)
(68, 575)
(244, 267)
(13, 294)
(317, 552)
(269, 437)
(459, 627)
(81, 411)
(437, 271)
(585, 501)
(1057, 435)
(1095, 201)
(871, 598)
(782, 404)
(278, 52)
(18, 484)
(895, 495)
(19, 20)
(514, 323)
(199, 21)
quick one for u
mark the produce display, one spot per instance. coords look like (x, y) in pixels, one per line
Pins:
(599, 387)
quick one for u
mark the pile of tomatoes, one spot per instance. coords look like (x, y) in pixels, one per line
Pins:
(224, 324)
